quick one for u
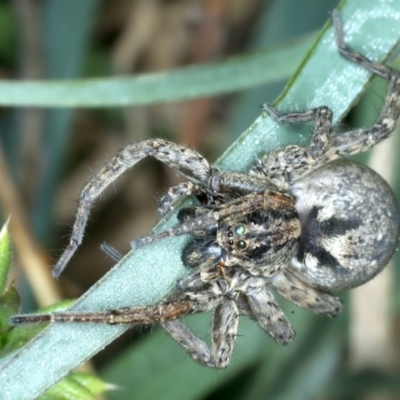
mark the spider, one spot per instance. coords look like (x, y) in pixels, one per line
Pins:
(303, 222)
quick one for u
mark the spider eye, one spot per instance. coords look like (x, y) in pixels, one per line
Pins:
(242, 244)
(230, 242)
(240, 229)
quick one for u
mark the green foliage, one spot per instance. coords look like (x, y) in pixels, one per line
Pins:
(76, 386)
(185, 83)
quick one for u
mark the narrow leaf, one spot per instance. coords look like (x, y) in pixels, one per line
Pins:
(231, 75)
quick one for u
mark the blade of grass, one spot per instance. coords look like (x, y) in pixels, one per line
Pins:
(147, 275)
(234, 74)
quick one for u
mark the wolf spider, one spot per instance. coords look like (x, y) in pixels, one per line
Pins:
(302, 222)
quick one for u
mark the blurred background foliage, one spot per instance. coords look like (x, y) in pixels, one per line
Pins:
(50, 153)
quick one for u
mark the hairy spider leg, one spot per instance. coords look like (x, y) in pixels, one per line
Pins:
(358, 140)
(175, 194)
(269, 315)
(225, 322)
(187, 303)
(111, 251)
(303, 295)
(285, 165)
(259, 304)
(224, 331)
(322, 129)
(182, 159)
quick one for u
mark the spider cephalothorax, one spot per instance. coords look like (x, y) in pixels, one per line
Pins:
(262, 237)
(261, 241)
(302, 222)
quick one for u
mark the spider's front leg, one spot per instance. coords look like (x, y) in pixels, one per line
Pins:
(184, 160)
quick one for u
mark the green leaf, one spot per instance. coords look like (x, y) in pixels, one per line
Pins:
(10, 304)
(5, 256)
(145, 276)
(77, 386)
(185, 83)
(68, 389)
(93, 383)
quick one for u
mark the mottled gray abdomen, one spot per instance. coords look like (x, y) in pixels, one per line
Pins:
(350, 225)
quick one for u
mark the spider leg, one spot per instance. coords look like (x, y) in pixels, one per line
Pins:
(225, 324)
(269, 315)
(176, 194)
(322, 129)
(351, 55)
(238, 184)
(207, 263)
(127, 315)
(285, 165)
(359, 140)
(193, 282)
(176, 306)
(184, 160)
(111, 251)
(290, 287)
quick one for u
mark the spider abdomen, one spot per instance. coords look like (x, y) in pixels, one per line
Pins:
(350, 225)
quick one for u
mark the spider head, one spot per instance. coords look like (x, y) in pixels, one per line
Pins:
(258, 240)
